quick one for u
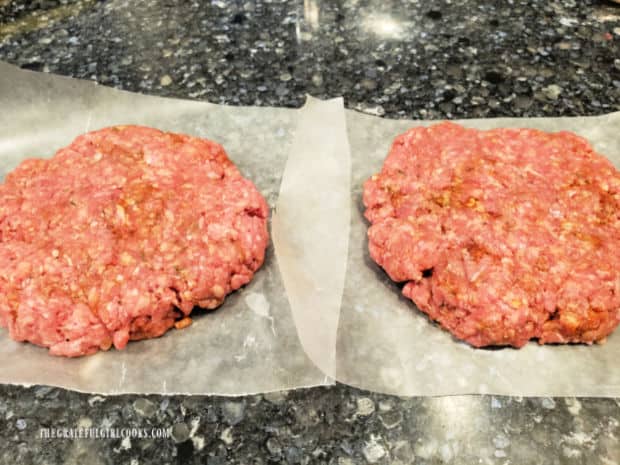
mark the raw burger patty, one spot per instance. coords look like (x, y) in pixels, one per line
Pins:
(120, 235)
(501, 236)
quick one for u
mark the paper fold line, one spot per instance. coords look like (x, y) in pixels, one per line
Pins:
(310, 227)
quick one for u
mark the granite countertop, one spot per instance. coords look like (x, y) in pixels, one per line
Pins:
(401, 59)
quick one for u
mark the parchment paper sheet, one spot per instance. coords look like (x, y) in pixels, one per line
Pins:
(385, 344)
(279, 331)
(311, 227)
(250, 344)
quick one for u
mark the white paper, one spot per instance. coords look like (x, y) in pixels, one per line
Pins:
(311, 227)
(250, 344)
(385, 344)
(279, 332)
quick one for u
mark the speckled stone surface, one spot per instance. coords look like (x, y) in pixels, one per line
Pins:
(403, 59)
(461, 58)
(338, 425)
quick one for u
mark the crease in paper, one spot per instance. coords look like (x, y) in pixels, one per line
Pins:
(311, 227)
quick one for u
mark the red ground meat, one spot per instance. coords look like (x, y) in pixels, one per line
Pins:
(501, 236)
(121, 234)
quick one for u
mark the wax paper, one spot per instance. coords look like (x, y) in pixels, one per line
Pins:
(385, 344)
(251, 343)
(311, 227)
(319, 308)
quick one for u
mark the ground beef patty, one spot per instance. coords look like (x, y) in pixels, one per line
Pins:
(120, 235)
(501, 236)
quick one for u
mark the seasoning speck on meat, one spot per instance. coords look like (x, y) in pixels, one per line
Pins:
(120, 234)
(501, 236)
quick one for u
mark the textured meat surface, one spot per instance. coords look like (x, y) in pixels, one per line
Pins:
(501, 236)
(121, 234)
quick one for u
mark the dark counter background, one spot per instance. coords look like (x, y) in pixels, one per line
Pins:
(400, 59)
